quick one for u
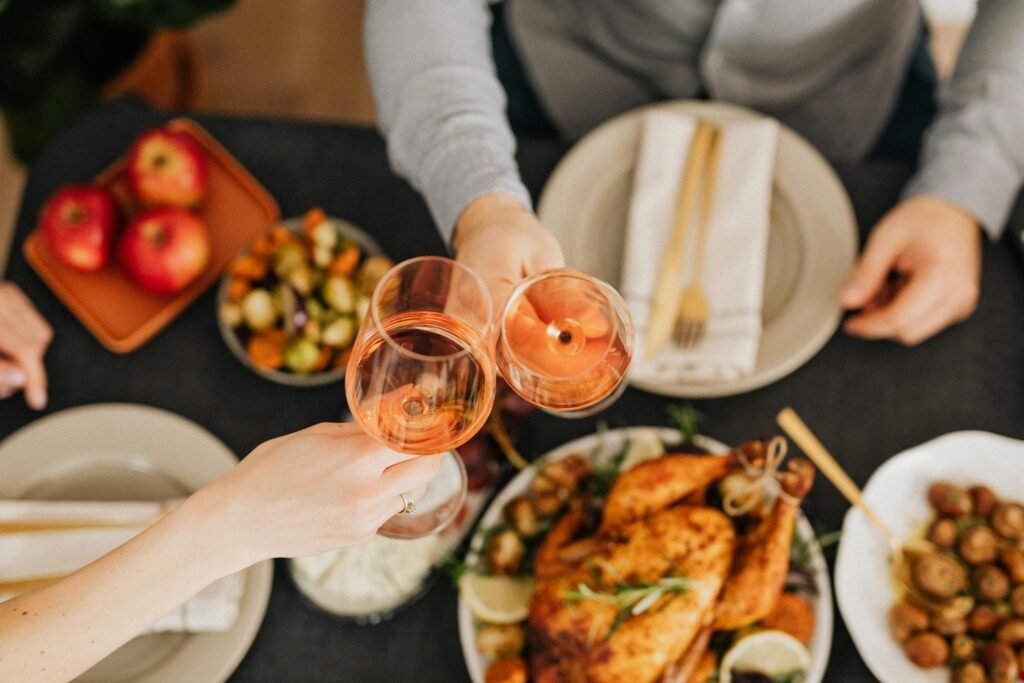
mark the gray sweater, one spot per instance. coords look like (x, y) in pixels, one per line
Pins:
(832, 73)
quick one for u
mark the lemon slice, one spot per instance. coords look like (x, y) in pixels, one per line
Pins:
(772, 653)
(496, 599)
(643, 445)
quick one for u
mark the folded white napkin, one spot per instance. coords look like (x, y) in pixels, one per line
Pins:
(734, 259)
(44, 540)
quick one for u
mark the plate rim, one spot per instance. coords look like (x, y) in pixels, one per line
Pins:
(824, 622)
(845, 222)
(258, 577)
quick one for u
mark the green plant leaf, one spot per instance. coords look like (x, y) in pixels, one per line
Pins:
(687, 419)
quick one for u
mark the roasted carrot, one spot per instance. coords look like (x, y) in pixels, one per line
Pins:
(325, 358)
(311, 219)
(238, 288)
(794, 615)
(249, 267)
(266, 349)
(345, 262)
(262, 246)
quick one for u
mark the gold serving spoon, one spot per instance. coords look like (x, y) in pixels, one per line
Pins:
(901, 554)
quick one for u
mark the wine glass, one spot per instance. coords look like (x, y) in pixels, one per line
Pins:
(421, 378)
(565, 343)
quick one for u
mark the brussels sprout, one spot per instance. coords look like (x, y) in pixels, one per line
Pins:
(301, 279)
(372, 270)
(258, 310)
(339, 333)
(231, 314)
(315, 309)
(287, 258)
(322, 256)
(302, 355)
(340, 293)
(324, 234)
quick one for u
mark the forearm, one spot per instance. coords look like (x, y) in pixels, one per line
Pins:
(439, 102)
(973, 155)
(56, 632)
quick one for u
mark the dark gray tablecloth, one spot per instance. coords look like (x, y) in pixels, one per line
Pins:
(866, 401)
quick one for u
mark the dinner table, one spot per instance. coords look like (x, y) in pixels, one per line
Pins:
(866, 400)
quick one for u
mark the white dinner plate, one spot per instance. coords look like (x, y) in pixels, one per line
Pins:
(602, 446)
(897, 492)
(130, 452)
(812, 243)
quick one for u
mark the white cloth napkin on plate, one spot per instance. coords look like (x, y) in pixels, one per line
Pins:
(734, 259)
(42, 540)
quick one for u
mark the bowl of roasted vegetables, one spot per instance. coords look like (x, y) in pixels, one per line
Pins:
(291, 302)
(960, 617)
(638, 555)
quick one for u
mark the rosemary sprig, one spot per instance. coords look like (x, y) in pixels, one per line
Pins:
(630, 599)
(687, 419)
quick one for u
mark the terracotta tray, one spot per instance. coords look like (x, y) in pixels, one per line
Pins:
(120, 314)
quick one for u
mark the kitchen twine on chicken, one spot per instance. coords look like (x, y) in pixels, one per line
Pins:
(765, 480)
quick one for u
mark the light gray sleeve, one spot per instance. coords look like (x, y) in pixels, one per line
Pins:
(973, 154)
(439, 102)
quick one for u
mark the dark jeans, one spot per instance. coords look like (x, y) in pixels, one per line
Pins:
(900, 140)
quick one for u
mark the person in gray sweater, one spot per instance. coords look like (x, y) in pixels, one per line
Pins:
(454, 80)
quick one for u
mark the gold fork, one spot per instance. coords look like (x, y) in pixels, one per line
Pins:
(694, 310)
(665, 303)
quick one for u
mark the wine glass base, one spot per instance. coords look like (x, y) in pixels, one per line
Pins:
(440, 506)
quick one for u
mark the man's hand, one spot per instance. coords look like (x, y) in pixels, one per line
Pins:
(504, 243)
(934, 249)
(24, 337)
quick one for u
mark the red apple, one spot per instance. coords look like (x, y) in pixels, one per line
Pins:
(164, 250)
(78, 223)
(166, 168)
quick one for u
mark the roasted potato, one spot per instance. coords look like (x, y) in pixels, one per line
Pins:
(971, 672)
(501, 641)
(982, 620)
(506, 671)
(1013, 560)
(522, 515)
(928, 650)
(938, 574)
(949, 500)
(990, 583)
(1011, 632)
(983, 500)
(978, 545)
(794, 615)
(962, 648)
(906, 619)
(943, 533)
(1017, 601)
(1000, 662)
(1008, 521)
(948, 625)
(505, 552)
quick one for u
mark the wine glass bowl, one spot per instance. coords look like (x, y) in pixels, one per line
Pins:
(421, 378)
(565, 343)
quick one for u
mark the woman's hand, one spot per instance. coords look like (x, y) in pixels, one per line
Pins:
(24, 337)
(323, 488)
(504, 243)
(934, 248)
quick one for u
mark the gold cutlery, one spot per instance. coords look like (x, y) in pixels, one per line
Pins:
(901, 554)
(694, 310)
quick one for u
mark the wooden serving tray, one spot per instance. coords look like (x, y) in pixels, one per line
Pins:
(120, 314)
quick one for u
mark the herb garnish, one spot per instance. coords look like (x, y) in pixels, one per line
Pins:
(631, 599)
(687, 419)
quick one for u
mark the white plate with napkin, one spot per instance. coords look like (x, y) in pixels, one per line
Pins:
(773, 264)
(77, 484)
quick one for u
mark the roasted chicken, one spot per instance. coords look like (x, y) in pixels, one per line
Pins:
(650, 533)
